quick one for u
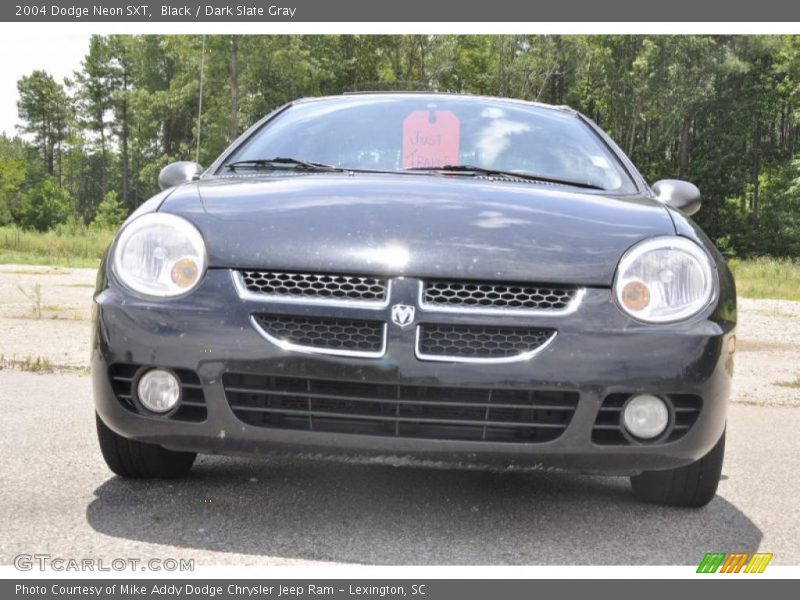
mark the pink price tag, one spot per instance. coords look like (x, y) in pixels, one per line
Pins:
(431, 139)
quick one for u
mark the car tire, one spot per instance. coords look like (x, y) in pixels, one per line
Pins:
(693, 485)
(139, 460)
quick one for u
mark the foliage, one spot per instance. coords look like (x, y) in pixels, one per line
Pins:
(81, 247)
(45, 109)
(46, 205)
(767, 278)
(15, 173)
(110, 213)
(721, 111)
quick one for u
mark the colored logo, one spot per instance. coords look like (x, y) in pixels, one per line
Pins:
(734, 562)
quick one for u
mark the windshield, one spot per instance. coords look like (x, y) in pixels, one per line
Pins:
(396, 133)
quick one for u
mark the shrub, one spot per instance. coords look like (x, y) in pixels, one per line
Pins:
(46, 205)
(110, 213)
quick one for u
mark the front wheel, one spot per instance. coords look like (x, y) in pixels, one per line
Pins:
(139, 460)
(693, 485)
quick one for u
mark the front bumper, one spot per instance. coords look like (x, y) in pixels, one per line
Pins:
(597, 352)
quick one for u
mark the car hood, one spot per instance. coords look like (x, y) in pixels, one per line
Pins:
(417, 225)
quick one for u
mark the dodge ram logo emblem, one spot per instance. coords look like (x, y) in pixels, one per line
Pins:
(402, 314)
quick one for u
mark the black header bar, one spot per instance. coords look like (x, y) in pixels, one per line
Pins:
(443, 11)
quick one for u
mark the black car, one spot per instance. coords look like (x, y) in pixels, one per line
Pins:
(419, 275)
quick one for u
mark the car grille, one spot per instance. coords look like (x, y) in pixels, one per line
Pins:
(192, 407)
(324, 333)
(477, 341)
(315, 286)
(390, 410)
(608, 428)
(364, 333)
(496, 296)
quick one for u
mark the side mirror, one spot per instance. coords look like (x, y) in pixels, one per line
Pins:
(177, 173)
(678, 194)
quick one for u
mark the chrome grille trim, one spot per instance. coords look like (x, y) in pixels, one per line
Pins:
(480, 341)
(523, 356)
(483, 310)
(290, 347)
(246, 294)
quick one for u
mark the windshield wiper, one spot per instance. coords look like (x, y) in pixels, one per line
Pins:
(499, 173)
(283, 162)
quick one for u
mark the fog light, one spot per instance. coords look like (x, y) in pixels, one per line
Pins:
(646, 416)
(159, 390)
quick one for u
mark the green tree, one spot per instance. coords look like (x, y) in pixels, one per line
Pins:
(721, 111)
(95, 83)
(110, 213)
(46, 205)
(15, 171)
(45, 109)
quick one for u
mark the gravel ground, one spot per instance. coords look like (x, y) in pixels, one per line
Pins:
(51, 321)
(767, 370)
(58, 497)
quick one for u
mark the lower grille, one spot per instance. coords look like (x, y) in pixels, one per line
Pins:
(479, 342)
(322, 333)
(389, 410)
(608, 429)
(192, 407)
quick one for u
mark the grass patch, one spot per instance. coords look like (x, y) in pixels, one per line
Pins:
(795, 385)
(76, 246)
(773, 278)
(34, 294)
(40, 365)
(37, 272)
(36, 364)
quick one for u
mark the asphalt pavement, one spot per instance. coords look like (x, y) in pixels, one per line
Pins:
(58, 497)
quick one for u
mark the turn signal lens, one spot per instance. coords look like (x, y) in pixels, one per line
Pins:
(635, 296)
(185, 272)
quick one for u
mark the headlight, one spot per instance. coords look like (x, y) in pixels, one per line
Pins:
(160, 255)
(664, 279)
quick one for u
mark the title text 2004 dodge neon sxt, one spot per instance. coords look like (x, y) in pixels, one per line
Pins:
(430, 275)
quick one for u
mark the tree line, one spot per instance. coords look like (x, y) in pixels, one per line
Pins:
(721, 111)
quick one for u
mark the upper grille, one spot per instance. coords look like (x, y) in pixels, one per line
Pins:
(497, 296)
(390, 410)
(608, 428)
(479, 342)
(315, 286)
(192, 406)
(325, 333)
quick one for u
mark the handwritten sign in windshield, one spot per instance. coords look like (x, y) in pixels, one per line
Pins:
(431, 139)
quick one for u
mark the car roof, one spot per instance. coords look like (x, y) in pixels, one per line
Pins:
(417, 94)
